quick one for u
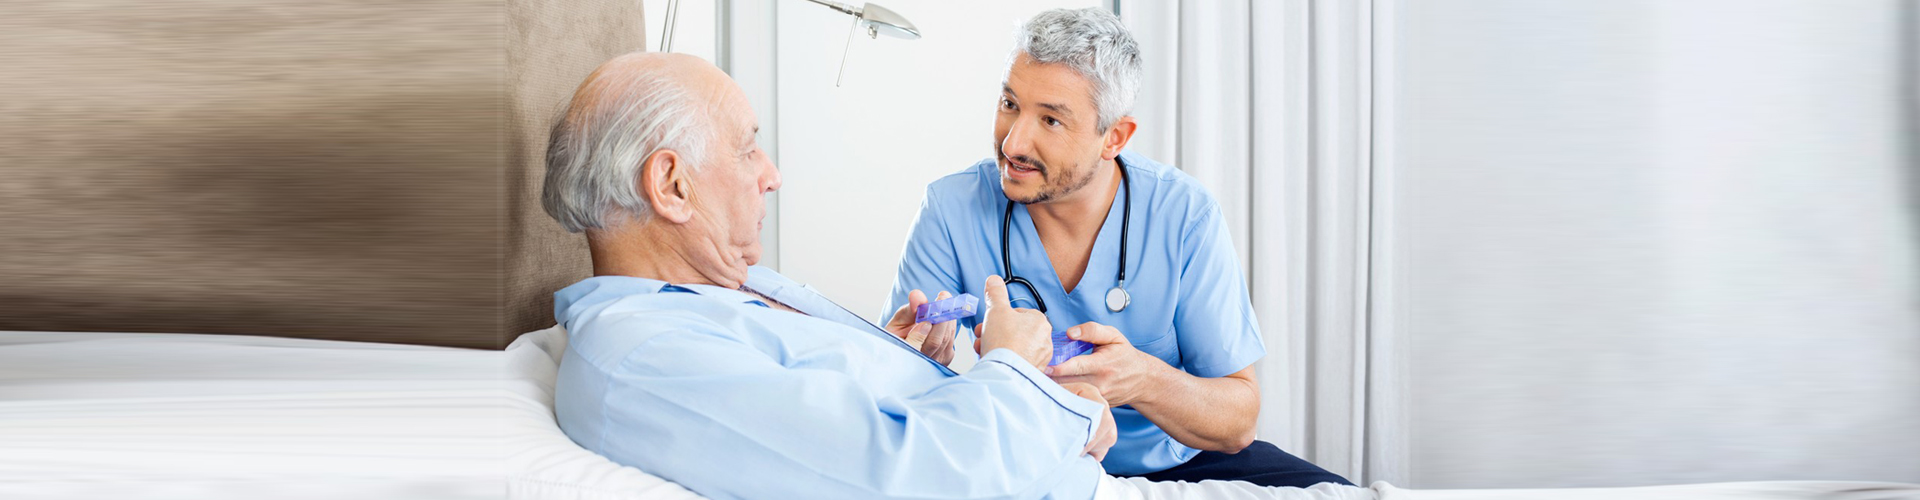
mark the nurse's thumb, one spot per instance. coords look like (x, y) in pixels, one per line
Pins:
(997, 294)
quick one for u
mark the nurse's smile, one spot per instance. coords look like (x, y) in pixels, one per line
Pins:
(1022, 168)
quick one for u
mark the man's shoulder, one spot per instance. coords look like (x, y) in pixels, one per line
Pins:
(1172, 189)
(606, 335)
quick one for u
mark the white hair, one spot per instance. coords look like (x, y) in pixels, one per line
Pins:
(600, 145)
(1093, 43)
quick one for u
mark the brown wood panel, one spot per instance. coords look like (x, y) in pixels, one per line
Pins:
(347, 170)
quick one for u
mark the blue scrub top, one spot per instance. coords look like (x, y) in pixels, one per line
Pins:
(1189, 305)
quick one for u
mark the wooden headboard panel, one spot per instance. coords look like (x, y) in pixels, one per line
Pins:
(354, 170)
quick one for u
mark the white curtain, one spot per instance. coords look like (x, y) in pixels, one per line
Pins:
(1271, 105)
(1635, 243)
(1659, 242)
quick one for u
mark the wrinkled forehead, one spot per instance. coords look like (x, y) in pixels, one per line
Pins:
(1048, 84)
(731, 111)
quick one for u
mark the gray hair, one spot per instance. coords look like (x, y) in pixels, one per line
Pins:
(1094, 44)
(599, 145)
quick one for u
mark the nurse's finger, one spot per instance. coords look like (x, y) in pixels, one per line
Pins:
(1085, 365)
(1093, 366)
(1097, 334)
(997, 294)
(1072, 380)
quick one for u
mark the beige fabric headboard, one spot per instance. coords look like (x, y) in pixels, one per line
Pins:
(354, 170)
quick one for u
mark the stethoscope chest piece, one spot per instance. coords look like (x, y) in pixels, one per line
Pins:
(1117, 298)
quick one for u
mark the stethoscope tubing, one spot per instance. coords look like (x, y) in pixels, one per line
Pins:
(1120, 276)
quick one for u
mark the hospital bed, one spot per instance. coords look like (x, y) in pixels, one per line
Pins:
(165, 416)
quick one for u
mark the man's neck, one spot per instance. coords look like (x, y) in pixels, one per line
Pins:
(1080, 214)
(1069, 226)
(642, 252)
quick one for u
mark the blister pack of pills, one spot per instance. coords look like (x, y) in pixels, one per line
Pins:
(1065, 348)
(963, 306)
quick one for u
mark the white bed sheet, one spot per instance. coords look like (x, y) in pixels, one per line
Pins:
(213, 417)
(92, 415)
(535, 358)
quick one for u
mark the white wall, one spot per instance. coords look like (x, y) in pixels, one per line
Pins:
(1658, 242)
(696, 28)
(856, 159)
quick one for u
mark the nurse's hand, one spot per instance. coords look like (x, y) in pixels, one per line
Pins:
(1106, 434)
(1123, 374)
(936, 341)
(1026, 332)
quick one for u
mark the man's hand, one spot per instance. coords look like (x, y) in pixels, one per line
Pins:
(936, 341)
(1123, 374)
(1026, 332)
(1105, 435)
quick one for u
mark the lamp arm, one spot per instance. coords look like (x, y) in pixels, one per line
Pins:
(848, 9)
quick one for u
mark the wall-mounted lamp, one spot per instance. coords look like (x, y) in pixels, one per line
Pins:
(877, 20)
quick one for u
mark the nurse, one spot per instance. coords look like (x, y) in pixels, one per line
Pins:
(1116, 249)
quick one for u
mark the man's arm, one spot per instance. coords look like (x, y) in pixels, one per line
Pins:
(1212, 402)
(702, 409)
(1215, 414)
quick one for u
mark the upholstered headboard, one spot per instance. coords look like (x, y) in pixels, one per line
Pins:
(347, 169)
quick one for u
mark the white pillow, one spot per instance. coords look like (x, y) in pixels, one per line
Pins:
(543, 463)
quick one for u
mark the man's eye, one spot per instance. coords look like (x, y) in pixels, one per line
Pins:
(1006, 104)
(1052, 122)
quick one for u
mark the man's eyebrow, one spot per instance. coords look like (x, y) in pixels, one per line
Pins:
(1057, 108)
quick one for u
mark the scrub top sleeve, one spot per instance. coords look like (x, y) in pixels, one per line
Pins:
(928, 264)
(1213, 318)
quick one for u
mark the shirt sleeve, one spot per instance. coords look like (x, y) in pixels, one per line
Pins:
(718, 415)
(928, 263)
(1213, 318)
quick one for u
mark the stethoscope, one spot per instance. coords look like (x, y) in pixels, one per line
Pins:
(1117, 298)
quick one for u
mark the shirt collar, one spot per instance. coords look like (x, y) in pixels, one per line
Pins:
(598, 290)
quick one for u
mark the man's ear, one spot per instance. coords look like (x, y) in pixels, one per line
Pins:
(1117, 137)
(667, 182)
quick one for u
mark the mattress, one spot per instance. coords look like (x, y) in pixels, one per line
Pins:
(210, 417)
(100, 415)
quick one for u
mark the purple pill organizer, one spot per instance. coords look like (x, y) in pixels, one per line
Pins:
(1066, 348)
(941, 311)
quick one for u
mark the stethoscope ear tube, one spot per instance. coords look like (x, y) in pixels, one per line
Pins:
(1117, 298)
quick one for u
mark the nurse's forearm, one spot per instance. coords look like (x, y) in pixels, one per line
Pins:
(1214, 414)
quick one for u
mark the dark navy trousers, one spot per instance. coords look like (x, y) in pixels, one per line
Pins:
(1261, 463)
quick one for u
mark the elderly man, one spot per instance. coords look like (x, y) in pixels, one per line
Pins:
(1124, 252)
(687, 361)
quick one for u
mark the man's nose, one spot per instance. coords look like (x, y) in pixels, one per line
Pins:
(1017, 143)
(772, 182)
